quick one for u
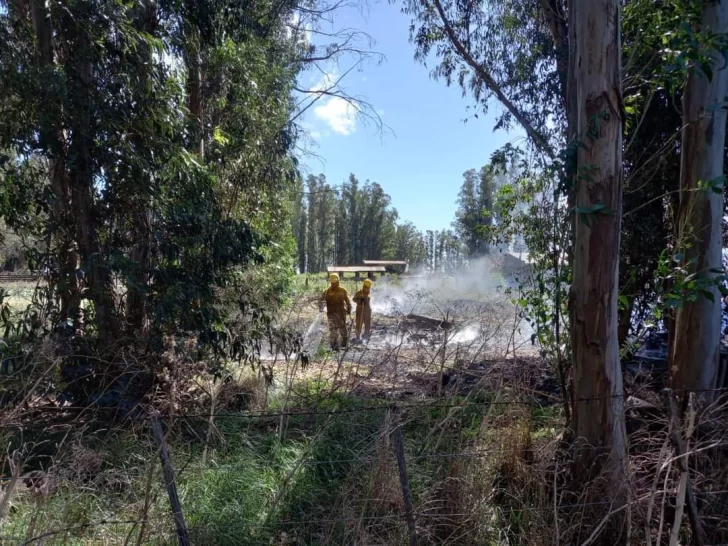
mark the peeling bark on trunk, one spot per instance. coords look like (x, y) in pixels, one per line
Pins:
(695, 349)
(598, 417)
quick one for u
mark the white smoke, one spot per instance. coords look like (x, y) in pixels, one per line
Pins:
(475, 299)
(440, 294)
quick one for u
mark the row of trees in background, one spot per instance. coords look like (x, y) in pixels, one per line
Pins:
(475, 218)
(355, 222)
(347, 224)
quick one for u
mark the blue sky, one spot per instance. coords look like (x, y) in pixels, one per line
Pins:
(421, 161)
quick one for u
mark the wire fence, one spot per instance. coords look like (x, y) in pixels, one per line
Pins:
(334, 467)
(334, 475)
(487, 467)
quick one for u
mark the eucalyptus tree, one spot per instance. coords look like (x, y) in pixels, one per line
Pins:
(148, 206)
(695, 349)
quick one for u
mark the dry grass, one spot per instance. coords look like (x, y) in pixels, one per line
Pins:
(484, 467)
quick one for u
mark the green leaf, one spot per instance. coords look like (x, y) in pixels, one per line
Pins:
(220, 137)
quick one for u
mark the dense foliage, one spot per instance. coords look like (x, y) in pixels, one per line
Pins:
(148, 145)
(474, 47)
(474, 218)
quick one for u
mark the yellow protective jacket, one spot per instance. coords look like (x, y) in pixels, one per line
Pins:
(362, 300)
(337, 301)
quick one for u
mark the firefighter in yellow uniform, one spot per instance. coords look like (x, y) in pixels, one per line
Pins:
(338, 307)
(364, 310)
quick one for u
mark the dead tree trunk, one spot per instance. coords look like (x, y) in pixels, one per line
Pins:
(598, 420)
(696, 345)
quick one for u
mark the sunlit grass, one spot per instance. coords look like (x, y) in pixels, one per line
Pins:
(308, 477)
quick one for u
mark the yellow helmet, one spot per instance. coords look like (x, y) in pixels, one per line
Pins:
(333, 277)
(367, 283)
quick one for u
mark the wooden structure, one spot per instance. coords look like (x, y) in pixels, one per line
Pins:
(357, 270)
(516, 263)
(391, 266)
(19, 276)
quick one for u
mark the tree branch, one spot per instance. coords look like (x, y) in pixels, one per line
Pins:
(540, 142)
(556, 24)
(364, 108)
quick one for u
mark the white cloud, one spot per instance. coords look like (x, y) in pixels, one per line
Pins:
(315, 134)
(326, 82)
(338, 114)
(301, 30)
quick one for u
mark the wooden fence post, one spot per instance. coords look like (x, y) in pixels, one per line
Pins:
(403, 477)
(169, 480)
(443, 356)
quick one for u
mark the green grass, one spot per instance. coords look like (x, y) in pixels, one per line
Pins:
(18, 295)
(318, 282)
(327, 480)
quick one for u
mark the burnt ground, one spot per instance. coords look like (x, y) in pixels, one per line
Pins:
(480, 347)
(415, 356)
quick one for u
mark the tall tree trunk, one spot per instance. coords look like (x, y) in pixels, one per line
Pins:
(669, 320)
(66, 254)
(137, 320)
(696, 345)
(96, 269)
(136, 297)
(195, 96)
(598, 421)
(67, 258)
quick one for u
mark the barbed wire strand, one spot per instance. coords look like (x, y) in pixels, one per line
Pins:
(380, 407)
